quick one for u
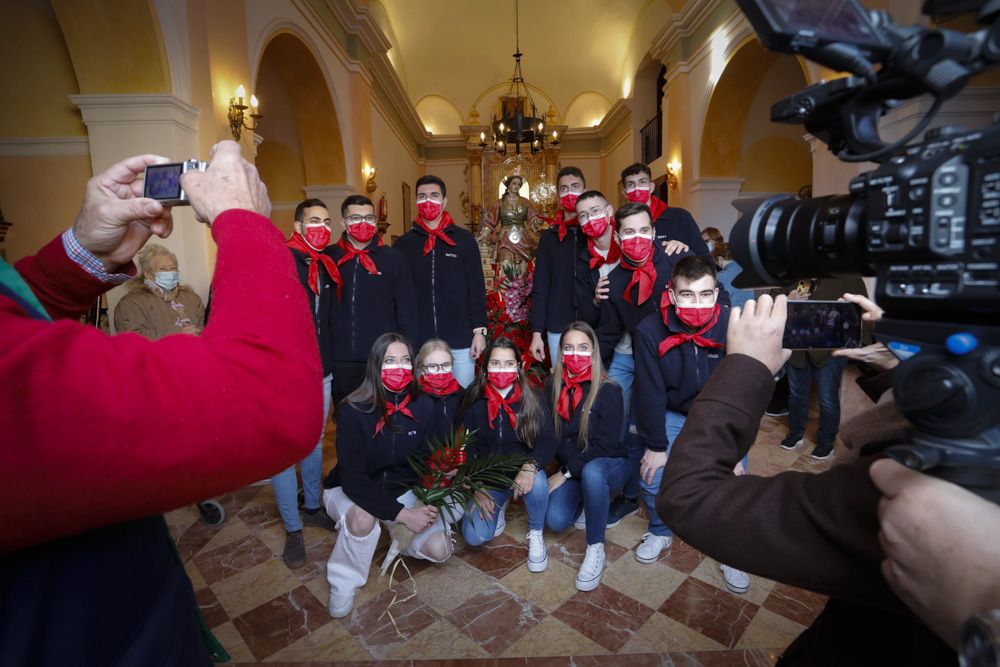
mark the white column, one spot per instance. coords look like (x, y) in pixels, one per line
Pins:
(119, 126)
(710, 202)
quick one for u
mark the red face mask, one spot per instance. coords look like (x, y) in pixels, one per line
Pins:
(361, 232)
(568, 201)
(317, 236)
(595, 227)
(639, 195)
(429, 210)
(576, 363)
(637, 248)
(502, 379)
(437, 382)
(695, 317)
(397, 378)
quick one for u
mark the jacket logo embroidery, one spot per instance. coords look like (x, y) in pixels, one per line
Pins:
(411, 433)
(713, 356)
(451, 254)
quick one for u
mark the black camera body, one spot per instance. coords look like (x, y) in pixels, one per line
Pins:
(925, 222)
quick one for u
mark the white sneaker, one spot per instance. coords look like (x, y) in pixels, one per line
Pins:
(538, 557)
(501, 521)
(341, 605)
(736, 580)
(592, 569)
(581, 521)
(652, 545)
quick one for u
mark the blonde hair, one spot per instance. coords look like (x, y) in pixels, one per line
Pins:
(598, 378)
(145, 258)
(433, 345)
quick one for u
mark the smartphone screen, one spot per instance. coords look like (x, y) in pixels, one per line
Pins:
(822, 325)
(163, 181)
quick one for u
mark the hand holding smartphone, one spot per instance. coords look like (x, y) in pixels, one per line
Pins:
(822, 325)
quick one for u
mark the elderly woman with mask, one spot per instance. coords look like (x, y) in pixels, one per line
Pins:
(157, 304)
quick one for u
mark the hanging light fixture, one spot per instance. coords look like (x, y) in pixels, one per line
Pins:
(519, 122)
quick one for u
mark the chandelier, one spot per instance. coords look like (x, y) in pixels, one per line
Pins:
(516, 125)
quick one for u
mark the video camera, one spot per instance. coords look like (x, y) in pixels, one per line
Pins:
(925, 222)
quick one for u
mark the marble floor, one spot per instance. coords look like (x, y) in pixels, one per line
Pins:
(483, 607)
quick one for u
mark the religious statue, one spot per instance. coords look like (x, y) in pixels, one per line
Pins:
(512, 226)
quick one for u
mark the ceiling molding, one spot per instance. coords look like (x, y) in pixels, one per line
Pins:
(681, 26)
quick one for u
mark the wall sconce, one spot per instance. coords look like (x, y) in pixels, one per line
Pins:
(673, 168)
(237, 120)
(370, 185)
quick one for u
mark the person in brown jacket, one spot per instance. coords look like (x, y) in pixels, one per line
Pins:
(814, 531)
(157, 304)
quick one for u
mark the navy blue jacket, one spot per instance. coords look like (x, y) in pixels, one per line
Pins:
(617, 314)
(604, 431)
(502, 439)
(677, 224)
(670, 382)
(450, 291)
(321, 306)
(553, 292)
(374, 471)
(445, 411)
(586, 283)
(370, 306)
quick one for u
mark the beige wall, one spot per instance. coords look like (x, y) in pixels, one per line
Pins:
(396, 165)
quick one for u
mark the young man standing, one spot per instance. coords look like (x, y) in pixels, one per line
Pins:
(553, 302)
(376, 295)
(676, 350)
(446, 270)
(596, 217)
(670, 223)
(320, 278)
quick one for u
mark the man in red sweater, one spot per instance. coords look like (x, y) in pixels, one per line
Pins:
(88, 463)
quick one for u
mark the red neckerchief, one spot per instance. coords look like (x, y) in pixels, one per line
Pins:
(681, 338)
(562, 224)
(350, 252)
(296, 242)
(644, 275)
(452, 387)
(571, 385)
(656, 206)
(436, 233)
(495, 401)
(390, 408)
(596, 261)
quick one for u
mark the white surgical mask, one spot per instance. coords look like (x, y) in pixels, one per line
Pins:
(711, 245)
(168, 279)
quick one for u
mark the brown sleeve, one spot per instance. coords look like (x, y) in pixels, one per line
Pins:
(815, 531)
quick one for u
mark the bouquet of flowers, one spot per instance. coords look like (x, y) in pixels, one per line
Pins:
(508, 305)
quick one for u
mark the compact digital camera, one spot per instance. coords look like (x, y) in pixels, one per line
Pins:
(163, 181)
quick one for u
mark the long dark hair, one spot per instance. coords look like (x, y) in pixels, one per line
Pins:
(371, 394)
(598, 378)
(530, 416)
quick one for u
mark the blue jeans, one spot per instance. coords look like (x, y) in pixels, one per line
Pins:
(828, 384)
(674, 423)
(601, 477)
(478, 530)
(463, 367)
(622, 371)
(554, 350)
(286, 488)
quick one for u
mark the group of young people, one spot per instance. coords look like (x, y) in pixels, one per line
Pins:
(627, 303)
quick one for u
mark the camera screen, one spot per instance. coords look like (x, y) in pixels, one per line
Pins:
(833, 20)
(163, 181)
(822, 325)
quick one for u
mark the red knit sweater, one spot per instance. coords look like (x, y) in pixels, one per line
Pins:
(98, 429)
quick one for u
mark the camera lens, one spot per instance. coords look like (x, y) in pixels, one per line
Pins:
(780, 239)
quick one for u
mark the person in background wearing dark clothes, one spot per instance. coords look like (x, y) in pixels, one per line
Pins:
(603, 253)
(376, 295)
(553, 290)
(828, 370)
(379, 426)
(508, 416)
(670, 223)
(436, 378)
(676, 351)
(630, 292)
(588, 415)
(320, 278)
(814, 531)
(447, 274)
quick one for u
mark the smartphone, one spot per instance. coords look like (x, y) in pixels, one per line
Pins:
(822, 325)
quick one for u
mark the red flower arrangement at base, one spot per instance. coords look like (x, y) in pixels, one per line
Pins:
(507, 308)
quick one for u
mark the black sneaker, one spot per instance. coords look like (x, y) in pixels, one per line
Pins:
(318, 518)
(792, 441)
(294, 554)
(620, 508)
(822, 452)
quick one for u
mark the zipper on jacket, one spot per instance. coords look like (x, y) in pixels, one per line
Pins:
(354, 315)
(434, 308)
(697, 367)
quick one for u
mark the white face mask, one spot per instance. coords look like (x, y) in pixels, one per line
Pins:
(711, 245)
(168, 280)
